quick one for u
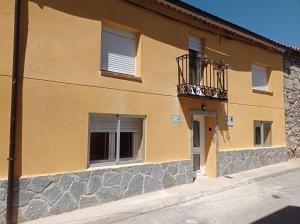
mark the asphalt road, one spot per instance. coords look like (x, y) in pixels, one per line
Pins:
(270, 201)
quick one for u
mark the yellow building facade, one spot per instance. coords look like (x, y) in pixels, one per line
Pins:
(66, 94)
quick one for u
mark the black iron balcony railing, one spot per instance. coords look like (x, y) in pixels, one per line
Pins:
(201, 77)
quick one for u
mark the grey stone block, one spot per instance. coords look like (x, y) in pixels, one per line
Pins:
(65, 181)
(181, 168)
(64, 204)
(3, 184)
(77, 189)
(180, 179)
(2, 194)
(106, 194)
(157, 171)
(86, 201)
(22, 183)
(168, 181)
(151, 184)
(125, 178)
(99, 172)
(38, 184)
(172, 170)
(111, 178)
(146, 169)
(94, 184)
(23, 197)
(134, 170)
(135, 186)
(2, 207)
(3, 218)
(52, 194)
(189, 175)
(35, 209)
(82, 176)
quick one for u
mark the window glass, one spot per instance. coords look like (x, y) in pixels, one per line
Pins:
(102, 146)
(126, 145)
(267, 133)
(257, 135)
(196, 133)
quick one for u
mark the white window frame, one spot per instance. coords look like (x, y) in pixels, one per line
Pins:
(125, 34)
(261, 124)
(139, 136)
(260, 69)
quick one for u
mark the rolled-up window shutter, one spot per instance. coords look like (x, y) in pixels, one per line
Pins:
(118, 51)
(131, 124)
(195, 44)
(259, 78)
(102, 123)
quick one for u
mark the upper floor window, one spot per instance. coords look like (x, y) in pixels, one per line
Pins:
(195, 48)
(118, 51)
(259, 78)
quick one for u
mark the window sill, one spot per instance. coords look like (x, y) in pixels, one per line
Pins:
(263, 92)
(263, 146)
(113, 165)
(121, 76)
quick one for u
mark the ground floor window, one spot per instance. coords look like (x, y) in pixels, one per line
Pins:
(262, 133)
(115, 138)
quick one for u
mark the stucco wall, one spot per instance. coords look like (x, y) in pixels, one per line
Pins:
(6, 27)
(292, 102)
(62, 84)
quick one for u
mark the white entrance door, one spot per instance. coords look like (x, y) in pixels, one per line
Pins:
(198, 145)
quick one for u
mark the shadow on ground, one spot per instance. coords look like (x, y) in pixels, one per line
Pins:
(287, 215)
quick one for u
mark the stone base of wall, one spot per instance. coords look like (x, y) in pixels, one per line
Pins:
(229, 162)
(48, 195)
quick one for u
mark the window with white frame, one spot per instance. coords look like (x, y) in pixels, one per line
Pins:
(259, 78)
(262, 133)
(115, 138)
(118, 51)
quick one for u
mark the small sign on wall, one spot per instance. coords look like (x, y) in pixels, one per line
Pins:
(229, 121)
(175, 119)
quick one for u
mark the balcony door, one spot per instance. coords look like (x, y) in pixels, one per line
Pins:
(195, 49)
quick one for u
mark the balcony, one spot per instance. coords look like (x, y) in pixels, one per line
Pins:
(200, 77)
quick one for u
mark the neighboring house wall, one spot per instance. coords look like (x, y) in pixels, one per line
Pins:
(62, 84)
(292, 101)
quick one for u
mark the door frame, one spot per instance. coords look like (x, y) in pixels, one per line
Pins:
(200, 112)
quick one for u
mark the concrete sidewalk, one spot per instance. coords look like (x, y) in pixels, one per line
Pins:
(150, 202)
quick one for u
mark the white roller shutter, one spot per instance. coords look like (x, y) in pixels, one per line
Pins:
(195, 44)
(129, 124)
(102, 123)
(118, 51)
(259, 78)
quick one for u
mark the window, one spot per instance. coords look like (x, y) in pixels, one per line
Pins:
(114, 138)
(259, 78)
(262, 133)
(195, 48)
(118, 51)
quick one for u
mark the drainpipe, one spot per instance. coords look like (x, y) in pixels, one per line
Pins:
(13, 118)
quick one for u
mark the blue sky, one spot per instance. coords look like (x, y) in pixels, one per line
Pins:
(276, 19)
